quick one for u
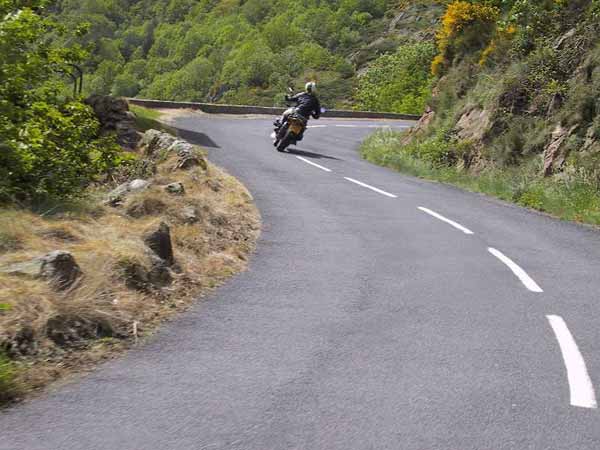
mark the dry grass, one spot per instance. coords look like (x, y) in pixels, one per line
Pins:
(98, 314)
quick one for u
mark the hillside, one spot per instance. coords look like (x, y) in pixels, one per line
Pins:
(515, 106)
(247, 52)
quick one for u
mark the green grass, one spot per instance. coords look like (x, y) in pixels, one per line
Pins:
(569, 198)
(9, 388)
(149, 119)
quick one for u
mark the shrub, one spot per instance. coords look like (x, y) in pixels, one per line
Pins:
(49, 142)
(465, 27)
(397, 82)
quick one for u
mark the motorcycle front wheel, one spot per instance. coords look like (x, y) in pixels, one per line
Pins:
(285, 141)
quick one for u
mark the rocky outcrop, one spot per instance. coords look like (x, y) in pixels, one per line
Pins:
(176, 188)
(156, 144)
(474, 125)
(115, 117)
(70, 329)
(159, 241)
(556, 153)
(421, 126)
(117, 195)
(189, 215)
(58, 267)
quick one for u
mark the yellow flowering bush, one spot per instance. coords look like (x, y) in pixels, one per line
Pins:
(464, 26)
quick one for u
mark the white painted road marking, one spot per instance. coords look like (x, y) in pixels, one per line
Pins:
(387, 194)
(580, 384)
(456, 225)
(316, 126)
(520, 273)
(313, 164)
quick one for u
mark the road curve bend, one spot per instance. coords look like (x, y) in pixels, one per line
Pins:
(379, 312)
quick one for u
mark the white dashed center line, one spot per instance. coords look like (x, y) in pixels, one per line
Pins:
(360, 183)
(456, 225)
(313, 164)
(520, 273)
(580, 384)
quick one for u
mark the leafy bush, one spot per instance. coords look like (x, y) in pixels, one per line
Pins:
(397, 82)
(49, 142)
(465, 27)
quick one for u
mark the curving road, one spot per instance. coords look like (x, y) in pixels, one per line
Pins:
(380, 312)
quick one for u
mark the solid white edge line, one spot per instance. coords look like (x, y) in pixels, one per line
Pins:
(313, 164)
(456, 225)
(580, 384)
(360, 183)
(518, 271)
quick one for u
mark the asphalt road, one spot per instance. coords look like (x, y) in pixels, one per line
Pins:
(364, 322)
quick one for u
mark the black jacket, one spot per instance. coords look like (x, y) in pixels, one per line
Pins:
(307, 104)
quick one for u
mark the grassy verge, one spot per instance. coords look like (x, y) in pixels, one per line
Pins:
(9, 387)
(570, 197)
(45, 333)
(149, 119)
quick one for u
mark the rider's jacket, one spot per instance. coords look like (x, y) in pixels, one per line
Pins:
(308, 104)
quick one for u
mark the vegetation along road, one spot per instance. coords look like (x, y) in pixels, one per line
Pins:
(380, 311)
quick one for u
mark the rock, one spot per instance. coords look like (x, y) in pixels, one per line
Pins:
(117, 195)
(189, 214)
(155, 141)
(147, 206)
(115, 117)
(69, 329)
(138, 185)
(189, 162)
(22, 343)
(134, 274)
(421, 125)
(474, 125)
(555, 154)
(181, 148)
(58, 267)
(159, 241)
(160, 274)
(175, 188)
(558, 44)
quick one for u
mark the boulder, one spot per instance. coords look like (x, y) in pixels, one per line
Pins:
(555, 153)
(115, 117)
(421, 125)
(159, 241)
(71, 329)
(474, 125)
(155, 141)
(189, 214)
(58, 267)
(175, 188)
(117, 195)
(134, 274)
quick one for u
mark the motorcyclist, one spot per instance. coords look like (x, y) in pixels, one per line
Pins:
(307, 105)
(307, 102)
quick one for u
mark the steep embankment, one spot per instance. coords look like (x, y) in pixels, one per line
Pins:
(515, 107)
(90, 277)
(248, 52)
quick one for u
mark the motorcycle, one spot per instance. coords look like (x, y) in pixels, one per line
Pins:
(289, 129)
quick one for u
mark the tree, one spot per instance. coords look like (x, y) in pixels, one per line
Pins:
(49, 143)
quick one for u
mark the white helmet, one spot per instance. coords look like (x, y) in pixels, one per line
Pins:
(311, 87)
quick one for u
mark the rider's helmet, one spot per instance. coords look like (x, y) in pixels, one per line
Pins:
(311, 87)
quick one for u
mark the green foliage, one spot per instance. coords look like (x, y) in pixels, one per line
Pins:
(49, 143)
(9, 388)
(571, 198)
(398, 82)
(221, 50)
